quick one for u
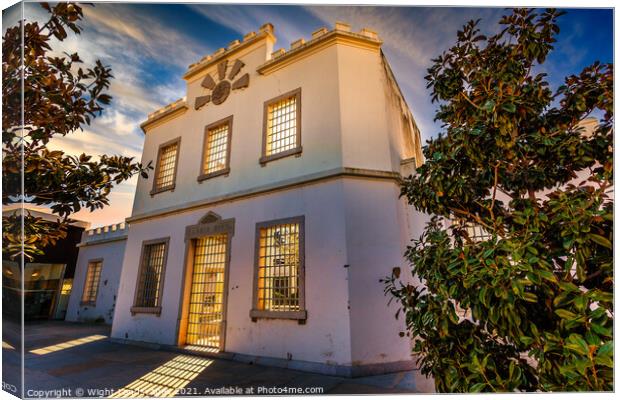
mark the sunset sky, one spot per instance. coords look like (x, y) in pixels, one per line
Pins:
(149, 47)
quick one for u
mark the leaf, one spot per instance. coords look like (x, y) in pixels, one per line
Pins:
(600, 240)
(565, 314)
(577, 344)
(548, 275)
(477, 388)
(488, 106)
(606, 350)
(509, 107)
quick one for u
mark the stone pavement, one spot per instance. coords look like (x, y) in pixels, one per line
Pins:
(77, 360)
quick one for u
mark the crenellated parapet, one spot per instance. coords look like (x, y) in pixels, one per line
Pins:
(103, 234)
(341, 31)
(173, 108)
(222, 53)
(227, 77)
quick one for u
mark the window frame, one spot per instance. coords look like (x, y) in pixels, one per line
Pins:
(91, 303)
(302, 314)
(135, 309)
(225, 171)
(264, 159)
(171, 187)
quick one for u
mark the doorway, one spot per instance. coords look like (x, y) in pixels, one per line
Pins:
(205, 323)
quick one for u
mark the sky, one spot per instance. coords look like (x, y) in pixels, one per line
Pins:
(149, 47)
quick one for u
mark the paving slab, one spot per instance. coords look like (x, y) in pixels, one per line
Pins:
(104, 367)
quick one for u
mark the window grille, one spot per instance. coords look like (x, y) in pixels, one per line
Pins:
(151, 272)
(166, 166)
(217, 148)
(282, 128)
(91, 285)
(476, 233)
(279, 263)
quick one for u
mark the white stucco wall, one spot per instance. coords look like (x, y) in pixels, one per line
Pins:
(325, 335)
(112, 255)
(316, 76)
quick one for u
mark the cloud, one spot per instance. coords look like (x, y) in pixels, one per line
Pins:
(144, 35)
(244, 19)
(411, 36)
(131, 43)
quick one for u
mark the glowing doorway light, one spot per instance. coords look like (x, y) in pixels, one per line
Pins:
(6, 345)
(166, 380)
(66, 345)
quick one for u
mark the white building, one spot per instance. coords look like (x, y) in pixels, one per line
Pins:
(97, 274)
(274, 208)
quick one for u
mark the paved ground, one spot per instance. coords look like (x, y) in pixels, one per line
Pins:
(77, 360)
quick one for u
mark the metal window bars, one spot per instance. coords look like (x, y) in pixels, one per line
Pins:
(150, 277)
(217, 149)
(91, 284)
(207, 292)
(282, 126)
(278, 267)
(167, 162)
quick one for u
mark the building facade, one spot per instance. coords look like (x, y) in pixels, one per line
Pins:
(97, 276)
(273, 210)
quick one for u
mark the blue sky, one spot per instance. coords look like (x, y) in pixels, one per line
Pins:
(149, 47)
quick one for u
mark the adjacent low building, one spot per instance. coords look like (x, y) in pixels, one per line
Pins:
(273, 210)
(97, 275)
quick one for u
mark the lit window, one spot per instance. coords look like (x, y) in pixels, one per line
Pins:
(91, 285)
(216, 152)
(165, 171)
(282, 126)
(67, 285)
(150, 277)
(280, 269)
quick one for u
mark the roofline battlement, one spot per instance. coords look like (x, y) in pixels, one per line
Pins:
(106, 233)
(266, 30)
(366, 37)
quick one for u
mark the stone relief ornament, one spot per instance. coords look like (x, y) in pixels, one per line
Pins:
(221, 89)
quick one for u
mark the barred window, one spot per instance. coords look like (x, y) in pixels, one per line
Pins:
(165, 171)
(477, 233)
(282, 126)
(216, 152)
(150, 278)
(280, 265)
(91, 284)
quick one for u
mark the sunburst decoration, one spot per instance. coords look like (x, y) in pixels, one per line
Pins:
(221, 89)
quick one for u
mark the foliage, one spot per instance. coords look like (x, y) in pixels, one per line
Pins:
(59, 97)
(529, 306)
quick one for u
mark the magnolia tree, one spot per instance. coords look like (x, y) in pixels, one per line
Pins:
(46, 95)
(528, 306)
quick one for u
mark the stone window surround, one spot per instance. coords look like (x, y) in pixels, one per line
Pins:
(264, 159)
(202, 176)
(302, 314)
(91, 303)
(151, 310)
(171, 187)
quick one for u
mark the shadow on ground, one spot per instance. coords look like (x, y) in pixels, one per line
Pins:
(77, 360)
